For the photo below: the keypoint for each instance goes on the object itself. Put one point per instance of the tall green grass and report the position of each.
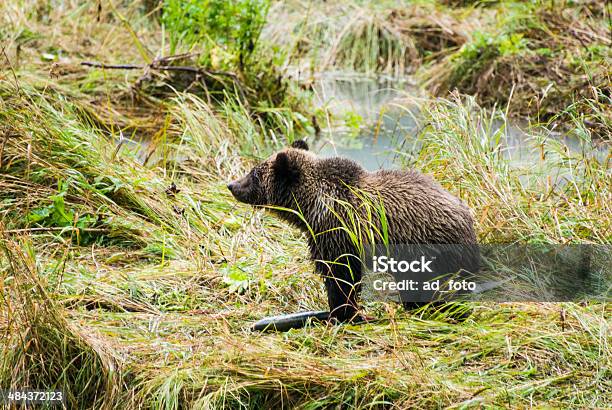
(546, 62)
(177, 322)
(388, 37)
(41, 349)
(558, 195)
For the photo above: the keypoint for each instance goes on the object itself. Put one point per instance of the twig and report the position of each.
(6, 136)
(175, 57)
(8, 60)
(112, 66)
(192, 69)
(156, 66)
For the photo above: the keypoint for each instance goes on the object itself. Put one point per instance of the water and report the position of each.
(382, 129)
(378, 126)
(383, 123)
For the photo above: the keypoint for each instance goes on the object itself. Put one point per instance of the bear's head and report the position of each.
(274, 181)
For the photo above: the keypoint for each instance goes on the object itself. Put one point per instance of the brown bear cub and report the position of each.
(315, 192)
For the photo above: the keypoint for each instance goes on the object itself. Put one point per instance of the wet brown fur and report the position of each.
(418, 211)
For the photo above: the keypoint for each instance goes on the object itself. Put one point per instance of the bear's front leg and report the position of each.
(342, 285)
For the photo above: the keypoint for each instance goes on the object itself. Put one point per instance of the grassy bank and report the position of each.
(544, 61)
(128, 272)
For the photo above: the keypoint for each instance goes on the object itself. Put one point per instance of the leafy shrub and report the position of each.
(228, 31)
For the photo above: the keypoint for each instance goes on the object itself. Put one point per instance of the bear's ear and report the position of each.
(285, 168)
(300, 144)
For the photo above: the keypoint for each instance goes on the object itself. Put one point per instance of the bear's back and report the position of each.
(418, 209)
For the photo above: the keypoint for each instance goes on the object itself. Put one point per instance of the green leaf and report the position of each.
(39, 214)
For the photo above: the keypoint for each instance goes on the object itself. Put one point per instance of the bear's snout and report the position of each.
(241, 189)
(234, 188)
